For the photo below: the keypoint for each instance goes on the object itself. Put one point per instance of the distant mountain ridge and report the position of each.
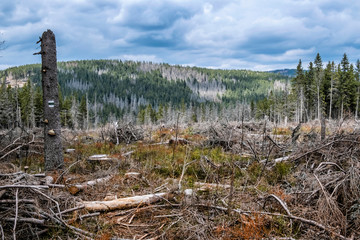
(285, 72)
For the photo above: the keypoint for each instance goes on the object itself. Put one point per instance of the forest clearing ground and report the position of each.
(312, 190)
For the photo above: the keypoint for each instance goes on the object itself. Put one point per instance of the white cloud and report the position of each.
(289, 55)
(141, 57)
(4, 66)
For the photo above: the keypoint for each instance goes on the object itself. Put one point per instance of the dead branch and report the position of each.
(273, 142)
(183, 172)
(254, 152)
(16, 212)
(27, 220)
(5, 201)
(10, 174)
(71, 209)
(283, 205)
(76, 230)
(127, 154)
(24, 186)
(81, 217)
(2, 232)
(65, 171)
(18, 147)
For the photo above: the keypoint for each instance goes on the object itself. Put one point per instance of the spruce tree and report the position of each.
(298, 84)
(5, 107)
(318, 77)
(357, 78)
(332, 83)
(326, 88)
(83, 112)
(38, 105)
(309, 92)
(346, 86)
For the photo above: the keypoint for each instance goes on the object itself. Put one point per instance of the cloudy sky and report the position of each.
(238, 34)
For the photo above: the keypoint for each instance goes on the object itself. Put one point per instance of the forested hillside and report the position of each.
(96, 91)
(329, 91)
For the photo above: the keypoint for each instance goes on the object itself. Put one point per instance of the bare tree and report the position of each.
(331, 88)
(52, 129)
(319, 75)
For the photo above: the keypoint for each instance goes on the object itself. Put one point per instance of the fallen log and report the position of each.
(200, 186)
(210, 186)
(127, 154)
(101, 157)
(96, 181)
(132, 175)
(282, 159)
(123, 203)
(75, 188)
(277, 160)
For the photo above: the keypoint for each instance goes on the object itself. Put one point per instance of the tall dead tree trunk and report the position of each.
(52, 128)
(323, 128)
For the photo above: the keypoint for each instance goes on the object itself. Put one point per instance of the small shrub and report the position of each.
(250, 227)
(281, 131)
(279, 172)
(254, 171)
(195, 171)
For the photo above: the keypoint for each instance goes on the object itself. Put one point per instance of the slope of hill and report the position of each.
(116, 87)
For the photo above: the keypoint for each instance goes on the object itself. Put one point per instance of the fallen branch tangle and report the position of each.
(304, 220)
(322, 194)
(26, 193)
(30, 142)
(135, 202)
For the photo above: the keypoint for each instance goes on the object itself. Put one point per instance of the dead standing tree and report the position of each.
(52, 129)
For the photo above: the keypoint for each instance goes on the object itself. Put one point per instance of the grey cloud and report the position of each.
(156, 15)
(257, 34)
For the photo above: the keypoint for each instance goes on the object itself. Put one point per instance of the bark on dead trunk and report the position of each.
(52, 127)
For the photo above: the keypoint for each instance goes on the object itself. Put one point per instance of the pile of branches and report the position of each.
(18, 142)
(238, 137)
(29, 208)
(328, 182)
(326, 193)
(127, 133)
(223, 135)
